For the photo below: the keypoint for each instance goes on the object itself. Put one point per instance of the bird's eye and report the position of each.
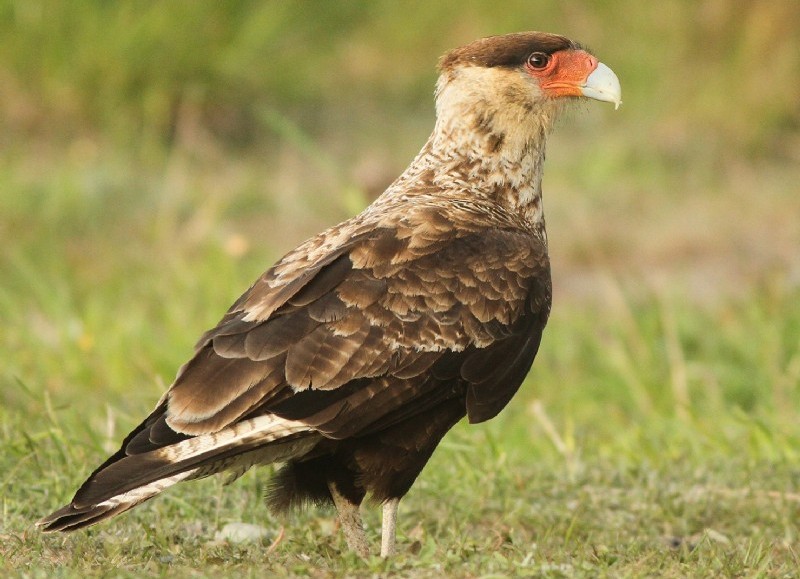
(538, 60)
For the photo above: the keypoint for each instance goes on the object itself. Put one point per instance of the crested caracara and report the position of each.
(350, 358)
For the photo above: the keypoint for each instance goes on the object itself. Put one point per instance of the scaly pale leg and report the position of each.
(389, 528)
(350, 521)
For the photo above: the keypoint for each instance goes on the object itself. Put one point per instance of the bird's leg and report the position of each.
(389, 528)
(350, 521)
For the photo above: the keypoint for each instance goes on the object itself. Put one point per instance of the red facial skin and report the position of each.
(565, 73)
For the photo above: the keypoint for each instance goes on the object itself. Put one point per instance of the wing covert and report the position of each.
(373, 330)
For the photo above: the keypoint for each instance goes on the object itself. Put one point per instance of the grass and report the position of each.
(657, 434)
(642, 444)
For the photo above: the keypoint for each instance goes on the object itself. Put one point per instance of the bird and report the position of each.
(348, 361)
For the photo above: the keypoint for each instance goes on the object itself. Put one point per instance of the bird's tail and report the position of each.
(132, 479)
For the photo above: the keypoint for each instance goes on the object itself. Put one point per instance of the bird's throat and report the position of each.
(485, 162)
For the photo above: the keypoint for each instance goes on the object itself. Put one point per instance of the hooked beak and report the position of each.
(602, 85)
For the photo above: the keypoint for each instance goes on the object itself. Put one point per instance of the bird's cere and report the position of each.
(603, 85)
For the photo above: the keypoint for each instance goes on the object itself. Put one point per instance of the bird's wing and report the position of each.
(339, 339)
(358, 329)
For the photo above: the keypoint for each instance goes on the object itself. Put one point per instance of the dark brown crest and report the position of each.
(508, 50)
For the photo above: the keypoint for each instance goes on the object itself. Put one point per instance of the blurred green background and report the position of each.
(156, 157)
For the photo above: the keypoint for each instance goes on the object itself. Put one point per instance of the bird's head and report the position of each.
(515, 84)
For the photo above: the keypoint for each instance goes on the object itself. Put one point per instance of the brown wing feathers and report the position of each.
(354, 347)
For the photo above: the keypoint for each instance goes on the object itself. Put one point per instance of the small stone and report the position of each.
(241, 533)
(717, 537)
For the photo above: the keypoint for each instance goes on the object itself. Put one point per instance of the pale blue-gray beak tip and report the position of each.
(603, 85)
